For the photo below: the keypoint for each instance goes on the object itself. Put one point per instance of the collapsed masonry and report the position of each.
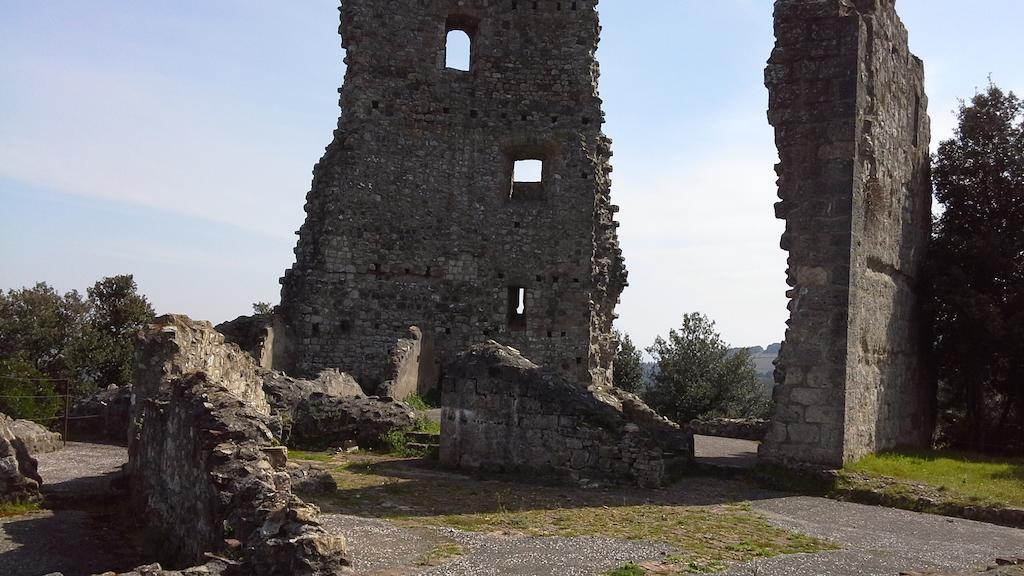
(415, 217)
(208, 477)
(849, 111)
(503, 413)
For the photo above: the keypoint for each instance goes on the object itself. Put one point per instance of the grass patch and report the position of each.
(973, 478)
(310, 456)
(12, 509)
(418, 403)
(440, 554)
(710, 536)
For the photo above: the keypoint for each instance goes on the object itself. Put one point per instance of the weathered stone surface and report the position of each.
(202, 465)
(19, 478)
(37, 440)
(413, 218)
(183, 346)
(413, 368)
(502, 413)
(253, 334)
(849, 111)
(105, 415)
(285, 393)
(307, 478)
(323, 420)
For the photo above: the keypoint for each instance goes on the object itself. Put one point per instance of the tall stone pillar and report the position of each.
(848, 105)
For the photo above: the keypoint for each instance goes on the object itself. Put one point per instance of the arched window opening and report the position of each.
(459, 50)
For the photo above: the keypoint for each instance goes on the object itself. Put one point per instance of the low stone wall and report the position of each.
(743, 429)
(207, 475)
(502, 413)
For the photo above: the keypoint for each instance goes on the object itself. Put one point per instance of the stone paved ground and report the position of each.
(81, 538)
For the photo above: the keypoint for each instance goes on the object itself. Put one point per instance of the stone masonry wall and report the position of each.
(848, 106)
(184, 346)
(413, 219)
(207, 476)
(502, 413)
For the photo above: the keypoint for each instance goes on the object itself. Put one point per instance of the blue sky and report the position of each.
(175, 141)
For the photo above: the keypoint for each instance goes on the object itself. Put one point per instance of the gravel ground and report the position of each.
(880, 541)
(488, 554)
(379, 547)
(383, 549)
(82, 537)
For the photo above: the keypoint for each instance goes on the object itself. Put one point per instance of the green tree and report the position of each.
(43, 326)
(117, 312)
(976, 271)
(697, 377)
(27, 393)
(629, 365)
(263, 308)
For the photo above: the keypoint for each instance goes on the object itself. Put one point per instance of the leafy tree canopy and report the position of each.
(88, 342)
(697, 377)
(629, 365)
(976, 266)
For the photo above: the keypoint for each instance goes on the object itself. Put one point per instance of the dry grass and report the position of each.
(707, 520)
(12, 509)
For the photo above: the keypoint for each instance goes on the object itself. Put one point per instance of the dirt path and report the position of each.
(83, 536)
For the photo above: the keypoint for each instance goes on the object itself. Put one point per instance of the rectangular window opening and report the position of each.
(516, 308)
(527, 179)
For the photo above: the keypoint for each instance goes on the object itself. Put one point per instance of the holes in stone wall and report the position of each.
(516, 308)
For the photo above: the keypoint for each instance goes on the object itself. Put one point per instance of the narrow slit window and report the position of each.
(458, 50)
(517, 308)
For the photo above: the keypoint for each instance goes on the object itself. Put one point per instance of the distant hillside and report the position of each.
(763, 363)
(763, 359)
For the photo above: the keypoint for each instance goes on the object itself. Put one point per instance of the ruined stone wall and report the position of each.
(848, 107)
(183, 346)
(206, 472)
(413, 219)
(502, 413)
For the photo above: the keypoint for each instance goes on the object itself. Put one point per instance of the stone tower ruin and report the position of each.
(415, 218)
(849, 111)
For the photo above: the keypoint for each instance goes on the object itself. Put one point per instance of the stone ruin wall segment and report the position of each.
(849, 109)
(413, 219)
